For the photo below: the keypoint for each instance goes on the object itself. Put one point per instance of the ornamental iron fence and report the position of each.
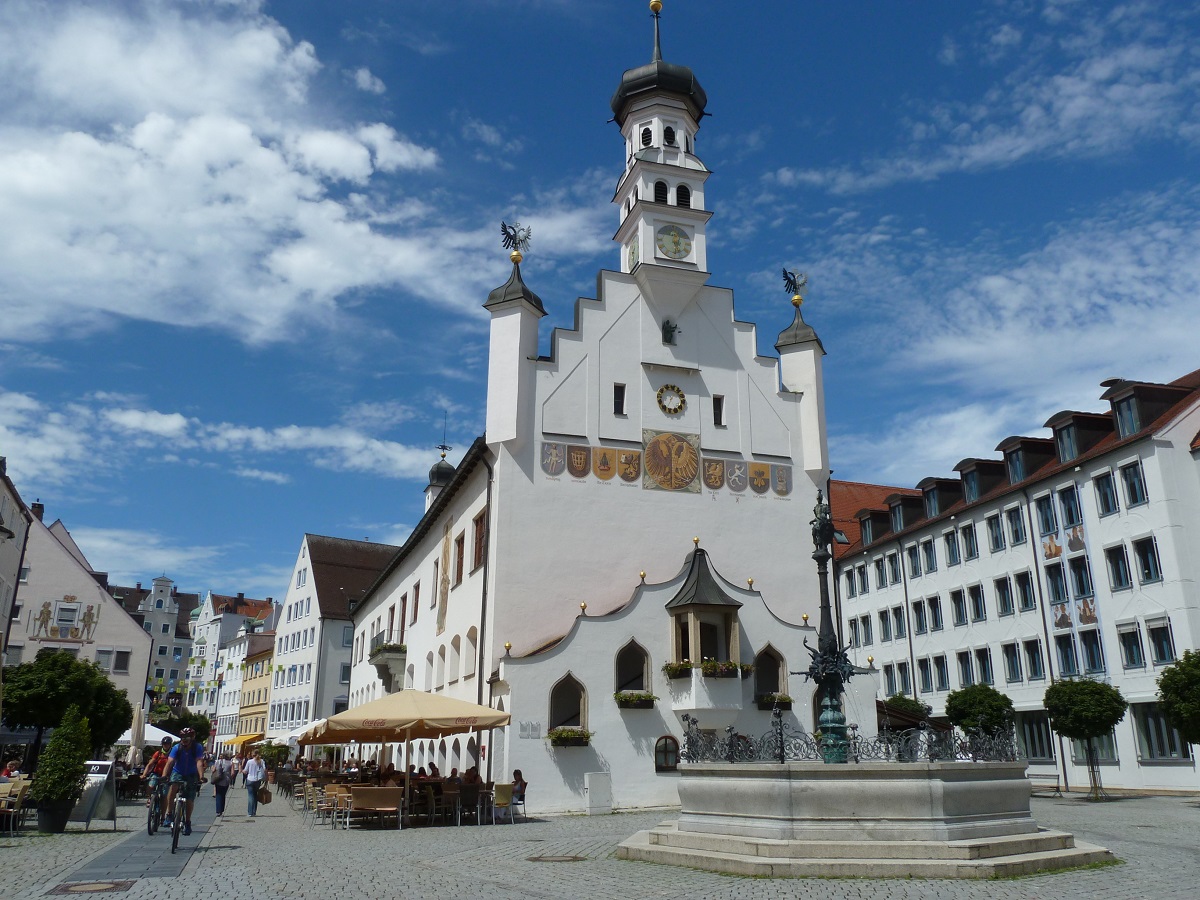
(785, 742)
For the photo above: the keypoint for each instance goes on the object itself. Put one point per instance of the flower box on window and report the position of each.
(677, 670)
(769, 701)
(569, 737)
(712, 668)
(634, 700)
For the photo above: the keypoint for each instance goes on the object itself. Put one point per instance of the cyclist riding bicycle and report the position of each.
(156, 769)
(186, 771)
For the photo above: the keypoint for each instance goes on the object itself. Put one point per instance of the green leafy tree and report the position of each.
(1084, 710)
(37, 695)
(903, 703)
(1179, 695)
(981, 707)
(185, 718)
(61, 772)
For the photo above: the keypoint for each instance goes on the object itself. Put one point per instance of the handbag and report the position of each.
(264, 795)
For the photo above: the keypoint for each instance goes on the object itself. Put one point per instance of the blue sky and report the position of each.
(244, 245)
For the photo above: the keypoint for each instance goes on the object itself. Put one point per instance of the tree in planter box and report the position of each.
(62, 771)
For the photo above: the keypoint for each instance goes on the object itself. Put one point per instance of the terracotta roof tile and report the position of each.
(848, 497)
(343, 570)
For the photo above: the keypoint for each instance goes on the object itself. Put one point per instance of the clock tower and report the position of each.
(660, 194)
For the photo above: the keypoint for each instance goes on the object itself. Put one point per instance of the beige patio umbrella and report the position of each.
(403, 716)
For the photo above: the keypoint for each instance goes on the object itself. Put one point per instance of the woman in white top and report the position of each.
(256, 774)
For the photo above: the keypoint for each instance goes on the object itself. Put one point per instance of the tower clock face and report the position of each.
(633, 253)
(674, 242)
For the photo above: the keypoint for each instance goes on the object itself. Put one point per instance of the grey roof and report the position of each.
(659, 77)
(799, 332)
(514, 289)
(702, 587)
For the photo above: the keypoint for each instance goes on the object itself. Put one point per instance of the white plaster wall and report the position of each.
(624, 740)
(299, 620)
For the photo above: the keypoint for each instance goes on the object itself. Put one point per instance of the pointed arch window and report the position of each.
(683, 196)
(633, 668)
(568, 704)
(769, 677)
(660, 192)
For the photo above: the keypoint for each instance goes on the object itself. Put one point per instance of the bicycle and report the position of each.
(157, 806)
(178, 814)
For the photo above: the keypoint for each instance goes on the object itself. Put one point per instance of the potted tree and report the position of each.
(61, 772)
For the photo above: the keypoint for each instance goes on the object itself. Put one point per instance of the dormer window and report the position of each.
(1015, 465)
(683, 196)
(669, 136)
(897, 518)
(931, 503)
(1065, 441)
(660, 192)
(1127, 416)
(647, 136)
(868, 531)
(970, 486)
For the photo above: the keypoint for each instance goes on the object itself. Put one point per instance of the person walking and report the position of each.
(255, 771)
(223, 769)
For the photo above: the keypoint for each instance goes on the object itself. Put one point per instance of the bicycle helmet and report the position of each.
(188, 732)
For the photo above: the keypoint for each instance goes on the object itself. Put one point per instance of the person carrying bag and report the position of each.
(256, 777)
(220, 777)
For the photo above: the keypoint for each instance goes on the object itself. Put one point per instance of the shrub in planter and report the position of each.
(569, 737)
(769, 701)
(634, 699)
(724, 669)
(677, 670)
(61, 772)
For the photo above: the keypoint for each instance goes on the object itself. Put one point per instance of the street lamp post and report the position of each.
(831, 667)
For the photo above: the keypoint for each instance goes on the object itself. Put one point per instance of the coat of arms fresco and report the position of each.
(672, 461)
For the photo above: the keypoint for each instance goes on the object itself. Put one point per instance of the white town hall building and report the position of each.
(556, 565)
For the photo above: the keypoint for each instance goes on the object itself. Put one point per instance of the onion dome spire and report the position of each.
(661, 77)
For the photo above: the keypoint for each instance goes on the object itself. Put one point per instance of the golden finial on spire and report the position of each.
(696, 541)
(583, 608)
(750, 583)
(643, 575)
(515, 238)
(656, 6)
(507, 647)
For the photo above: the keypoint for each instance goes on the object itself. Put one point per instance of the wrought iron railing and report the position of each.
(785, 742)
(385, 638)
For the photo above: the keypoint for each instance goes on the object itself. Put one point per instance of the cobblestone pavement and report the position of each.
(278, 856)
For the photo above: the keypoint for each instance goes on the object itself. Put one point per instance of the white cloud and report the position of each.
(365, 81)
(261, 475)
(1103, 87)
(128, 554)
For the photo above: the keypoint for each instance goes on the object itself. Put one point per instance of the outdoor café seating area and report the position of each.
(345, 801)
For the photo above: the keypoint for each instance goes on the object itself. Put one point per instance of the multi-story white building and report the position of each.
(214, 623)
(313, 633)
(555, 565)
(1072, 555)
(164, 614)
(231, 659)
(14, 527)
(61, 605)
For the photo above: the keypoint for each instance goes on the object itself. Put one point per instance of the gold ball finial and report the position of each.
(656, 6)
(516, 257)
(643, 575)
(805, 618)
(750, 582)
(797, 300)
(507, 646)
(696, 541)
(583, 607)
(870, 660)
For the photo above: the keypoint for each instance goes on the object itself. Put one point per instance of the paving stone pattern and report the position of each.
(278, 856)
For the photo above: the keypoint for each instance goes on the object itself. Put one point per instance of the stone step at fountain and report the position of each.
(991, 858)
(1044, 840)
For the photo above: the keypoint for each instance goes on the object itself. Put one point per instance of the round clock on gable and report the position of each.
(671, 400)
(674, 242)
(633, 254)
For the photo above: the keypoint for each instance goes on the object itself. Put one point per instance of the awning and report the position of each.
(151, 737)
(403, 716)
(241, 739)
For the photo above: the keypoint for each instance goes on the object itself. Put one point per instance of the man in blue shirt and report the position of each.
(186, 771)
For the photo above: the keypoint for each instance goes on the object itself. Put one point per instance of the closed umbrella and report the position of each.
(137, 734)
